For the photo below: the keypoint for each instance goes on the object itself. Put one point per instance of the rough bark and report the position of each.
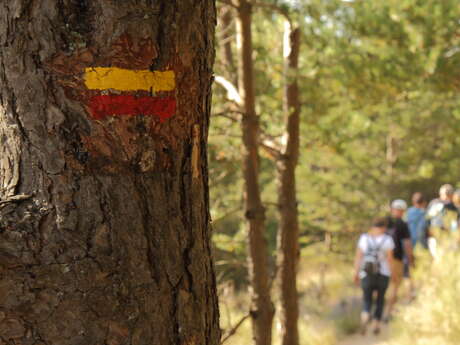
(288, 232)
(104, 224)
(262, 309)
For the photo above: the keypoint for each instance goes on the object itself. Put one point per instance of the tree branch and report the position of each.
(234, 329)
(229, 213)
(271, 147)
(229, 3)
(225, 114)
(232, 91)
(271, 151)
(273, 7)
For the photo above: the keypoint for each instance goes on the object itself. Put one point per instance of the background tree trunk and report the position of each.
(262, 309)
(288, 233)
(104, 223)
(228, 35)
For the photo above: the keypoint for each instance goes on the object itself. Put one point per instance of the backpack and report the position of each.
(371, 262)
(442, 216)
(435, 214)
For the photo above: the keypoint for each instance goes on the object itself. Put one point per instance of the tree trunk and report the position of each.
(262, 309)
(391, 158)
(288, 233)
(104, 223)
(226, 18)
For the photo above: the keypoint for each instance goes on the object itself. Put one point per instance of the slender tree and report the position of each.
(104, 223)
(262, 309)
(227, 23)
(288, 231)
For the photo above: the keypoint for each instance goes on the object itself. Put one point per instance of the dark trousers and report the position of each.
(369, 284)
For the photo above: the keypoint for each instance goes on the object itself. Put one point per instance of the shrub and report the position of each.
(434, 317)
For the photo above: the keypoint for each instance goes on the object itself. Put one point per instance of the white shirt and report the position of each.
(384, 243)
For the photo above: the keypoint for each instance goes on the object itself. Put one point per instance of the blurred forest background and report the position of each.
(378, 88)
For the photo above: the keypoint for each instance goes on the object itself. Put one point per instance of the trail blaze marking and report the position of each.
(101, 78)
(134, 99)
(117, 105)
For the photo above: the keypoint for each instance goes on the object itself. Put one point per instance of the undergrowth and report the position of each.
(434, 317)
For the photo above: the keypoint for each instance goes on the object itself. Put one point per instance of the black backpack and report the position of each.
(371, 262)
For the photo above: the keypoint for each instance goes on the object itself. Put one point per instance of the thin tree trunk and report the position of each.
(288, 233)
(391, 158)
(104, 223)
(228, 25)
(262, 309)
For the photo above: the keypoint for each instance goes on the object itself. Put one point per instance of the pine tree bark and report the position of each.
(288, 233)
(104, 223)
(262, 309)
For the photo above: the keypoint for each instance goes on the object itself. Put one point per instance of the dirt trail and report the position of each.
(368, 339)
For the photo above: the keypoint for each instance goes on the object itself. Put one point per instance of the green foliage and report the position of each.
(373, 75)
(380, 118)
(379, 82)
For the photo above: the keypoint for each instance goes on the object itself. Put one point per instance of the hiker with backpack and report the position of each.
(442, 217)
(372, 271)
(442, 212)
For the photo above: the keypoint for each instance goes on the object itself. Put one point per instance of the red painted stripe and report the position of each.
(117, 105)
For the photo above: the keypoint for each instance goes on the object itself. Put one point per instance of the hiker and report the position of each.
(442, 216)
(442, 211)
(456, 198)
(416, 220)
(397, 228)
(372, 270)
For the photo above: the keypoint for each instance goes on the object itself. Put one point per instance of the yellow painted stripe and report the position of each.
(102, 78)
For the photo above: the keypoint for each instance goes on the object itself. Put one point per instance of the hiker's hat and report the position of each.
(399, 204)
